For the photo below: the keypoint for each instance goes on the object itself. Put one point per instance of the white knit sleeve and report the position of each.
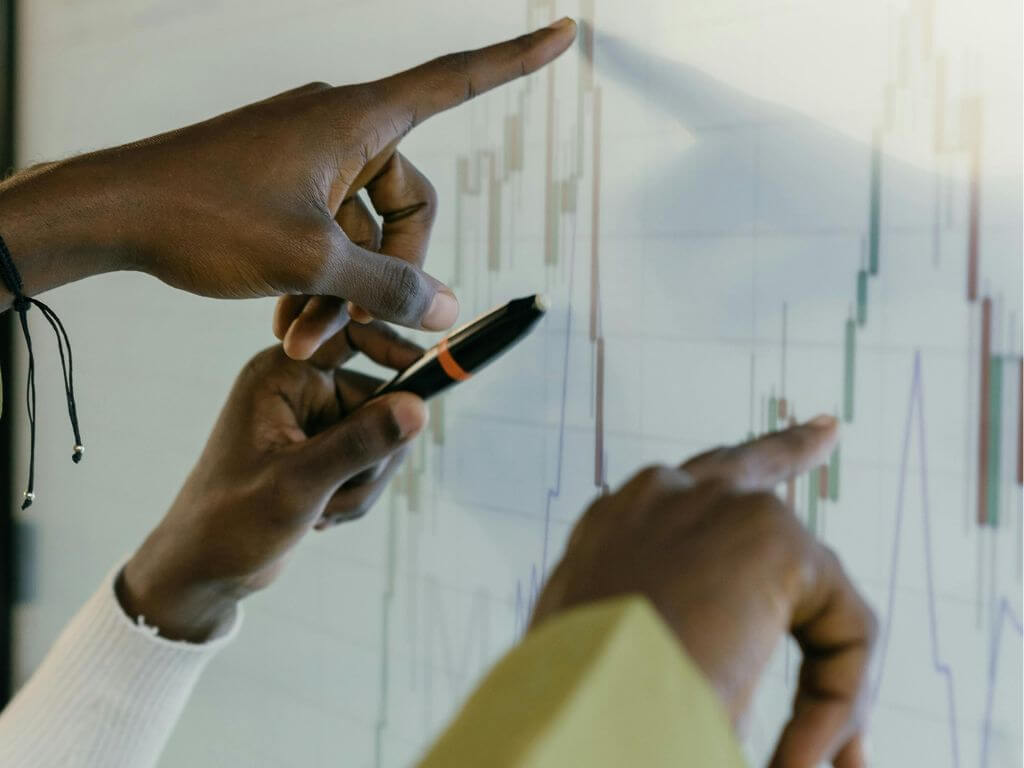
(108, 693)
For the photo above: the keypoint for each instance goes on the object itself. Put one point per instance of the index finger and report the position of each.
(448, 81)
(763, 463)
(377, 340)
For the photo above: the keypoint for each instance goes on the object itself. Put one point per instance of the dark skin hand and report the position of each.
(262, 201)
(291, 452)
(731, 570)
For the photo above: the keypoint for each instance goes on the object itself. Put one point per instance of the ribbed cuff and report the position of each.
(108, 693)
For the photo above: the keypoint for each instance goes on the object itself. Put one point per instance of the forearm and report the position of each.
(65, 221)
(109, 693)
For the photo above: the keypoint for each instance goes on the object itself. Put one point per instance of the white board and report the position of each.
(715, 164)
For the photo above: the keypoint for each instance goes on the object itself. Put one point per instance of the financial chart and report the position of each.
(743, 214)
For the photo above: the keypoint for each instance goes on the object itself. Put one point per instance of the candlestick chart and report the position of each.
(743, 214)
(740, 290)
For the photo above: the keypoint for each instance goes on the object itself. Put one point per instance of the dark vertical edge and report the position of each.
(984, 414)
(595, 216)
(974, 205)
(995, 438)
(862, 297)
(596, 332)
(875, 203)
(849, 372)
(812, 501)
(823, 482)
(461, 185)
(1020, 423)
(493, 215)
(550, 211)
(833, 475)
(940, 103)
(8, 550)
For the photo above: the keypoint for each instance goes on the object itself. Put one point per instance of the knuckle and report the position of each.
(774, 527)
(717, 453)
(651, 477)
(796, 441)
(710, 460)
(523, 46)
(744, 463)
(367, 236)
(258, 366)
(428, 193)
(358, 99)
(863, 613)
(356, 441)
(586, 522)
(253, 369)
(830, 559)
(869, 622)
(459, 64)
(767, 503)
(524, 42)
(388, 430)
(715, 486)
(653, 488)
(317, 85)
(404, 293)
(456, 61)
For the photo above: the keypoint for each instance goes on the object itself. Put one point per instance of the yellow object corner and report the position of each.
(603, 685)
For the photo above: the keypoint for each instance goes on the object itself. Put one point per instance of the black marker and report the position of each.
(465, 351)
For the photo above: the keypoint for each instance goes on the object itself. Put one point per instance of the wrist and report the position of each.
(64, 221)
(180, 607)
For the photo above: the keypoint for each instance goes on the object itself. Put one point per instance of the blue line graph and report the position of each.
(526, 599)
(941, 667)
(1006, 618)
(915, 407)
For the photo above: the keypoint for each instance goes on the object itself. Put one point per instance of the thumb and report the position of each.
(366, 436)
(389, 288)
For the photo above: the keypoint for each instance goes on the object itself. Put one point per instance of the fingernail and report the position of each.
(297, 348)
(442, 312)
(409, 414)
(823, 421)
(562, 23)
(357, 313)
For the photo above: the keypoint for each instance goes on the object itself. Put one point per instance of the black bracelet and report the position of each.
(22, 304)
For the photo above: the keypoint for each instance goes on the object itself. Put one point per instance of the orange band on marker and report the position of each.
(452, 368)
